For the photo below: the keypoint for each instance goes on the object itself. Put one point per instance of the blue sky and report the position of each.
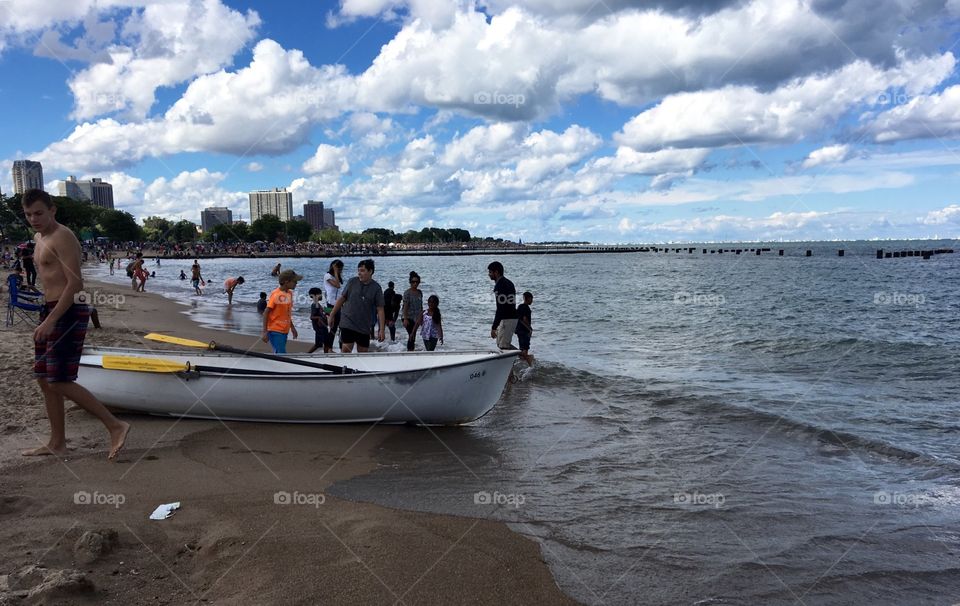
(618, 121)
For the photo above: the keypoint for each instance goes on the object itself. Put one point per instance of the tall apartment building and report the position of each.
(27, 174)
(277, 202)
(215, 215)
(317, 216)
(95, 191)
(70, 188)
(313, 214)
(100, 192)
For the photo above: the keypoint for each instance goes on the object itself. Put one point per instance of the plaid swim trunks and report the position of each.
(58, 358)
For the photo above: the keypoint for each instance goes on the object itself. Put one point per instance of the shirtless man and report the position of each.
(230, 285)
(58, 341)
(196, 279)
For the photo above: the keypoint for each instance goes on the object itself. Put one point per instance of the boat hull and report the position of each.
(427, 389)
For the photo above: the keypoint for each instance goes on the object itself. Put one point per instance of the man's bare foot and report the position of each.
(117, 439)
(42, 451)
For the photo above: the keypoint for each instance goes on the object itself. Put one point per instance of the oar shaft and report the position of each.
(213, 345)
(286, 360)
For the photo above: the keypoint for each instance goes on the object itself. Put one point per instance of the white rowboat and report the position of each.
(427, 388)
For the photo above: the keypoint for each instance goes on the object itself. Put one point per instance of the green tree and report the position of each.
(380, 235)
(268, 228)
(119, 225)
(221, 232)
(13, 225)
(184, 231)
(327, 236)
(459, 235)
(157, 229)
(298, 231)
(352, 237)
(433, 235)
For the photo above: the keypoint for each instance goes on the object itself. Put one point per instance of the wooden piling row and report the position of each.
(924, 254)
(881, 253)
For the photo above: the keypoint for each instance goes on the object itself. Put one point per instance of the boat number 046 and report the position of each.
(478, 374)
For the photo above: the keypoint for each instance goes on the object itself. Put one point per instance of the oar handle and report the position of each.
(340, 370)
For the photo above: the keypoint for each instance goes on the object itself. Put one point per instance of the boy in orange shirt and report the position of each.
(278, 317)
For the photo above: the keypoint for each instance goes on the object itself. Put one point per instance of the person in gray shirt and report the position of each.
(357, 302)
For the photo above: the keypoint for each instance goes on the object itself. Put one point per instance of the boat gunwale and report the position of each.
(486, 356)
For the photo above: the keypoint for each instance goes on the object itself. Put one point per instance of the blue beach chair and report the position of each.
(25, 305)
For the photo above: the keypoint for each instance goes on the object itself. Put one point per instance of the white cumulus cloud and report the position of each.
(174, 42)
(831, 154)
(327, 159)
(947, 215)
(737, 115)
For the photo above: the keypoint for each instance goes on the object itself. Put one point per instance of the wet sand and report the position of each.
(255, 525)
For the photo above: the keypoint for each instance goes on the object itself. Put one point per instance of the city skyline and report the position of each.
(603, 122)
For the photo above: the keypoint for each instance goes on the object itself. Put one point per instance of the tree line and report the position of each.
(89, 221)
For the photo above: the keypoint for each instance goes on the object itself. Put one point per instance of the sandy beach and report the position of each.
(255, 525)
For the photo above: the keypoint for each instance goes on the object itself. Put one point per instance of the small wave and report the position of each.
(788, 347)
(844, 440)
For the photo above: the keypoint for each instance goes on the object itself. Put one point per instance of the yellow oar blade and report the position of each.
(155, 336)
(142, 364)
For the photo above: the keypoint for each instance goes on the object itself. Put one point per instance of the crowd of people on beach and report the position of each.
(363, 298)
(362, 310)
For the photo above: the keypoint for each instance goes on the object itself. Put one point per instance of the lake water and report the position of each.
(698, 429)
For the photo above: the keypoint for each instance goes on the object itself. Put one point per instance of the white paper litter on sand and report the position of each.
(164, 511)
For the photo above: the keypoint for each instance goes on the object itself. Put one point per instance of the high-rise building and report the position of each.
(328, 222)
(215, 215)
(98, 191)
(70, 188)
(313, 214)
(95, 191)
(27, 174)
(277, 202)
(317, 216)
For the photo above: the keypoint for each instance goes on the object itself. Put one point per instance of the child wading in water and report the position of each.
(278, 318)
(525, 327)
(431, 324)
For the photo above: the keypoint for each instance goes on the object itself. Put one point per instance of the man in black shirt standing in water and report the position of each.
(505, 294)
